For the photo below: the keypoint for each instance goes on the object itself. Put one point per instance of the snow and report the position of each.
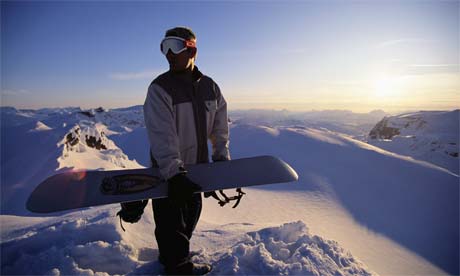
(357, 125)
(288, 249)
(86, 146)
(356, 209)
(430, 136)
(93, 243)
(70, 245)
(41, 127)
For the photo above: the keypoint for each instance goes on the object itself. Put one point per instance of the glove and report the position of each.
(181, 188)
(131, 211)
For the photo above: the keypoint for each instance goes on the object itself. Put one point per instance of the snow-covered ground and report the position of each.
(355, 210)
(431, 136)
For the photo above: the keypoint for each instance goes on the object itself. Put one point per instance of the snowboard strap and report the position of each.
(121, 222)
(226, 199)
(131, 211)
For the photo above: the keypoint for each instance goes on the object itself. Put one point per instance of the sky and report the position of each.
(295, 55)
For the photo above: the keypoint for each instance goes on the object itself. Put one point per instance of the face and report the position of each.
(182, 61)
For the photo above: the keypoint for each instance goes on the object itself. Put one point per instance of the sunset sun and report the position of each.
(386, 87)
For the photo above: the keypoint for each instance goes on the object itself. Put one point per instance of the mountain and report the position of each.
(354, 124)
(432, 136)
(356, 209)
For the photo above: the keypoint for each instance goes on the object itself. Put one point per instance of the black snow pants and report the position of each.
(174, 228)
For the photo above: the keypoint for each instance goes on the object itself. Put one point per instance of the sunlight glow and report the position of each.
(387, 87)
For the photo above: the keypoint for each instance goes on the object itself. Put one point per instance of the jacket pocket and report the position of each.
(211, 106)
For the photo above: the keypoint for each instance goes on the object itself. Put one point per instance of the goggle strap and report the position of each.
(190, 44)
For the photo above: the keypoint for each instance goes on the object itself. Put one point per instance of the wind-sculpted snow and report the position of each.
(286, 250)
(70, 245)
(91, 243)
(412, 202)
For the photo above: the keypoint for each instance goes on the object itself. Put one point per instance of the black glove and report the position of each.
(181, 188)
(132, 211)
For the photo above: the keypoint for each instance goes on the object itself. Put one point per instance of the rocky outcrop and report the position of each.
(383, 131)
(96, 140)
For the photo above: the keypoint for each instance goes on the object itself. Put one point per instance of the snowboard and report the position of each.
(78, 189)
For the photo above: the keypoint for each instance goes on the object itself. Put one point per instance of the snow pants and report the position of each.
(174, 228)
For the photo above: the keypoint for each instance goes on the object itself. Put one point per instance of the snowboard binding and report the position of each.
(226, 199)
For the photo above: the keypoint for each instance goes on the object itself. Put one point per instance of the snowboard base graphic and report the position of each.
(78, 189)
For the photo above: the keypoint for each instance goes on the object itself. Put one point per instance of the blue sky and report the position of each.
(298, 55)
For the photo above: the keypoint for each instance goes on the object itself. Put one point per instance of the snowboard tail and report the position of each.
(78, 189)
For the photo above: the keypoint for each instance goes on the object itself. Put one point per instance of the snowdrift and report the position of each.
(287, 250)
(91, 242)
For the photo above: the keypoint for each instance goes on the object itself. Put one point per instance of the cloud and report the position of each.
(394, 42)
(453, 65)
(148, 74)
(432, 68)
(14, 92)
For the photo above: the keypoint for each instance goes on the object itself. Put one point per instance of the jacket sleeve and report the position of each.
(161, 130)
(220, 132)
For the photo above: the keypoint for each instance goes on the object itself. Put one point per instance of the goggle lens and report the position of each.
(176, 44)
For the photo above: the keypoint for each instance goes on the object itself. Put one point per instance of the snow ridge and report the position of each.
(86, 146)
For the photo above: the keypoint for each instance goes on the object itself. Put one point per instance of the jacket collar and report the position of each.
(196, 75)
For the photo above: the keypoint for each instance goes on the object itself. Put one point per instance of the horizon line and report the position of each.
(409, 109)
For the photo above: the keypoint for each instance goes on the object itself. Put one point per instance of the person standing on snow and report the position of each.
(182, 110)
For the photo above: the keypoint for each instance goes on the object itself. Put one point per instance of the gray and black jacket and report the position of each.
(180, 116)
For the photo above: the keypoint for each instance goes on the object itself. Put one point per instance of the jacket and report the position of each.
(180, 116)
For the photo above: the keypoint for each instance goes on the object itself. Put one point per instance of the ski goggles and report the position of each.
(176, 44)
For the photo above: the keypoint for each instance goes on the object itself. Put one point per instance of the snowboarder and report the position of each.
(182, 110)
